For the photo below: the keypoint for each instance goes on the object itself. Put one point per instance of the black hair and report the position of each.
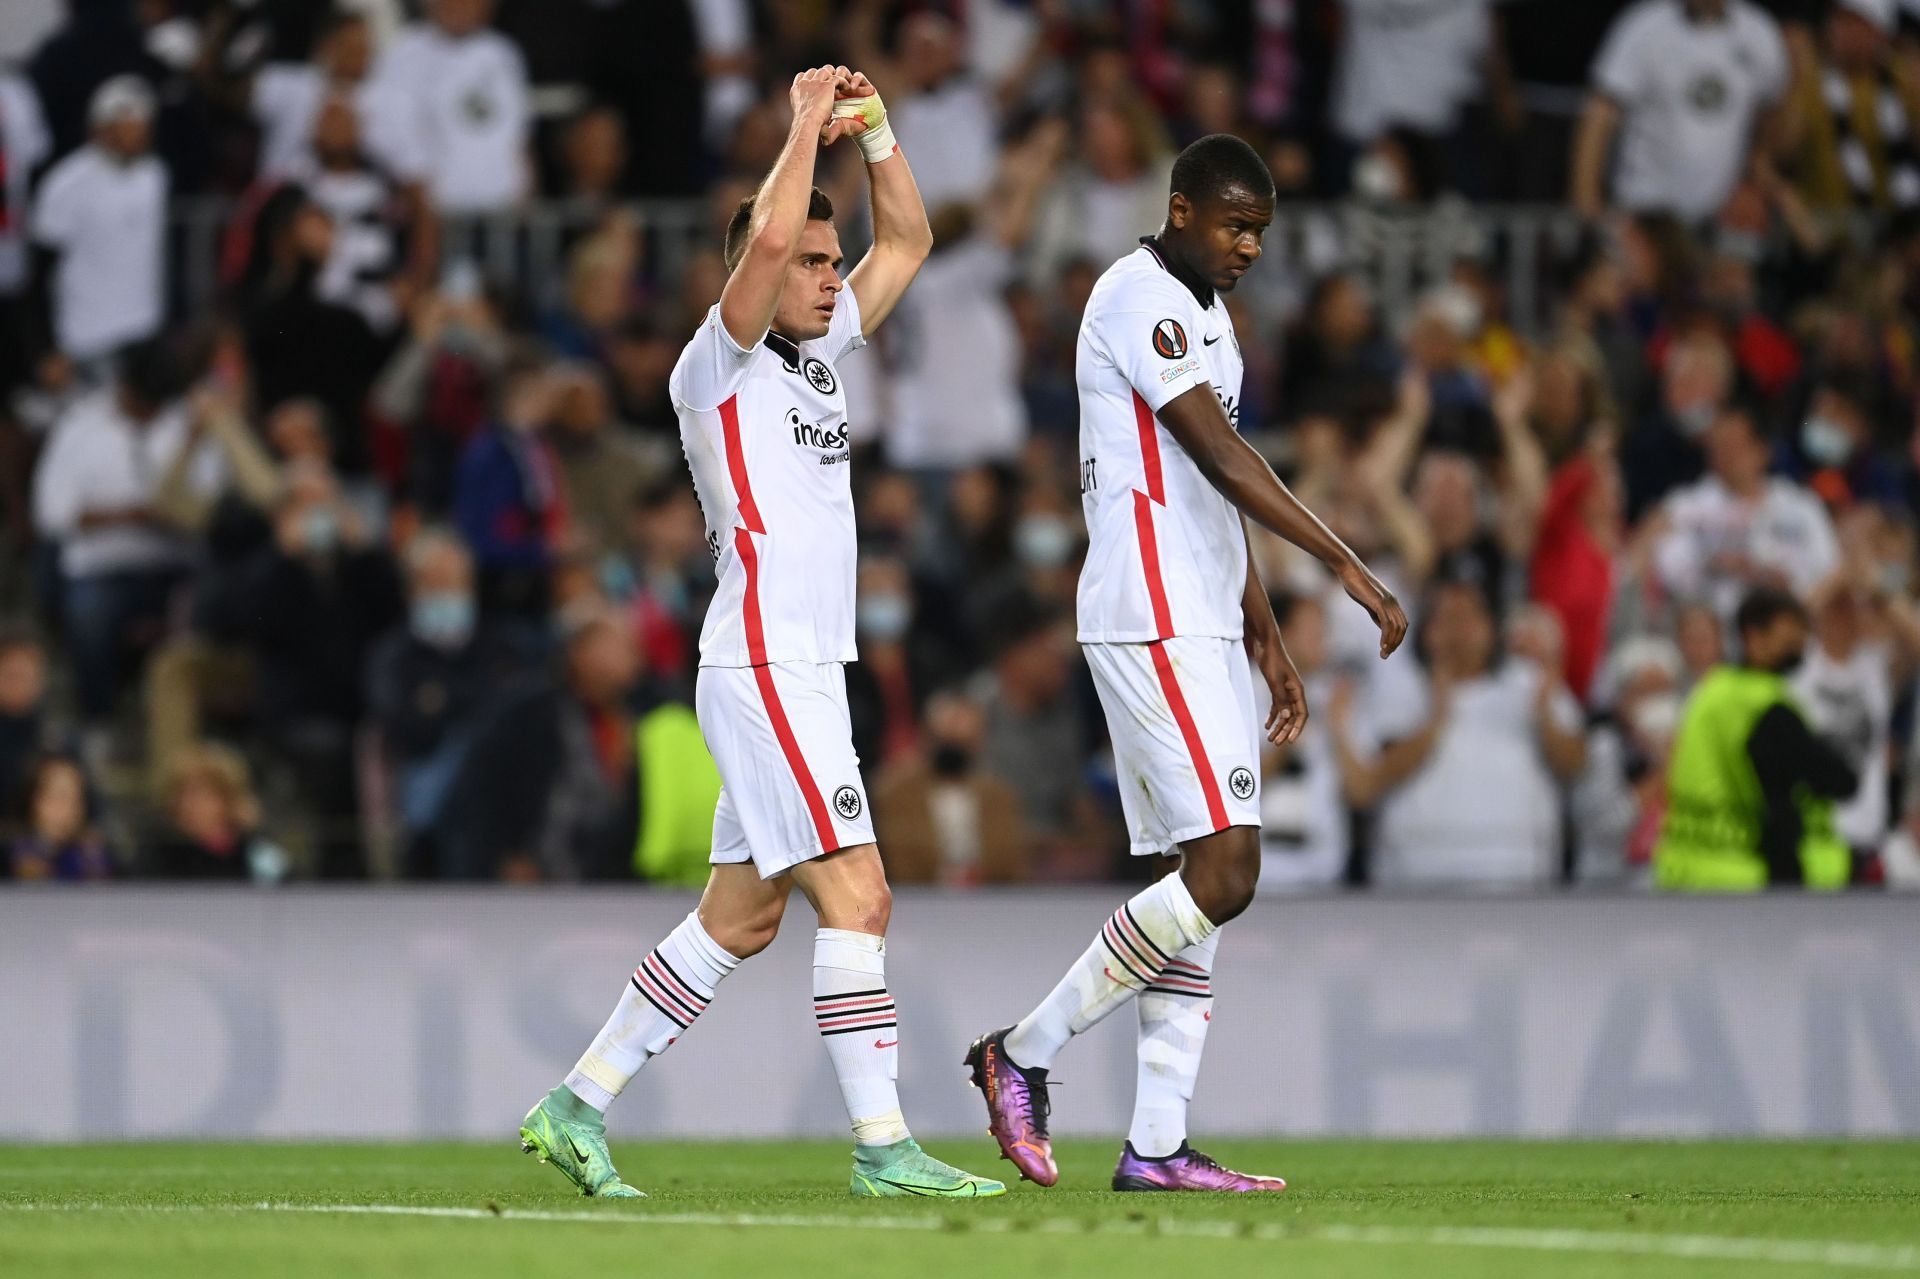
(154, 372)
(1762, 606)
(1017, 618)
(819, 209)
(1217, 164)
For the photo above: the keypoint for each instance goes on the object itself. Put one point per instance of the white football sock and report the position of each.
(1175, 1012)
(1124, 959)
(671, 987)
(857, 1023)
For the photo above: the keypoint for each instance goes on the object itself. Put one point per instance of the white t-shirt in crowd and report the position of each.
(953, 354)
(1785, 529)
(949, 134)
(470, 111)
(1303, 815)
(363, 205)
(1409, 63)
(1849, 702)
(24, 143)
(1691, 93)
(1167, 553)
(97, 460)
(765, 433)
(1484, 810)
(287, 97)
(107, 218)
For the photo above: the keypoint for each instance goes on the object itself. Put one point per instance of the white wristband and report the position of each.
(877, 142)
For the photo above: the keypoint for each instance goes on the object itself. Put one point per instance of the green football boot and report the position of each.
(886, 1172)
(569, 1134)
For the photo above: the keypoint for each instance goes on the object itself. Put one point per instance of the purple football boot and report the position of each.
(1017, 1107)
(1185, 1169)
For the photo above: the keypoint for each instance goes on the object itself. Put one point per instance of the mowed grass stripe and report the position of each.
(1835, 1253)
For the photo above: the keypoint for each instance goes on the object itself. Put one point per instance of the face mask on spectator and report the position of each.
(443, 619)
(1653, 718)
(1694, 419)
(1827, 442)
(884, 617)
(1042, 541)
(319, 531)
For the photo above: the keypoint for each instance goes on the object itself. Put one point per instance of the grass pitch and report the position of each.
(756, 1211)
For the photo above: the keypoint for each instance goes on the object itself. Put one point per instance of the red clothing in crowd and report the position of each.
(1572, 572)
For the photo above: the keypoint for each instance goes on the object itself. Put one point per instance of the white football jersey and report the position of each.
(1167, 554)
(765, 433)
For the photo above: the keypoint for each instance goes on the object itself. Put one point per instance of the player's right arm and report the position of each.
(1197, 422)
(780, 214)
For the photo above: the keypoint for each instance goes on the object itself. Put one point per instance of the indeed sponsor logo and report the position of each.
(811, 435)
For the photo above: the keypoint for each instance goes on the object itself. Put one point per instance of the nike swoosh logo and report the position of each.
(885, 1043)
(922, 1190)
(1208, 341)
(574, 1146)
(1110, 977)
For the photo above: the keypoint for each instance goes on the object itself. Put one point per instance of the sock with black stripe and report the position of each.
(1175, 1012)
(667, 992)
(1131, 950)
(854, 1010)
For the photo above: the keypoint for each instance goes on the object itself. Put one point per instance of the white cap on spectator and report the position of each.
(1633, 657)
(1880, 13)
(122, 98)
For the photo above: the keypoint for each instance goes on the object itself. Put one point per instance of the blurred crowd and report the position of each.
(388, 564)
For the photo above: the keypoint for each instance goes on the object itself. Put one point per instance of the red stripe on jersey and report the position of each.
(737, 464)
(1176, 700)
(789, 746)
(750, 599)
(1149, 449)
(1150, 564)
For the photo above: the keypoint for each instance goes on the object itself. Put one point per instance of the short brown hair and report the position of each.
(819, 209)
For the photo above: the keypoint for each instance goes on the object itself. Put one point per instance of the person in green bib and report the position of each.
(1750, 787)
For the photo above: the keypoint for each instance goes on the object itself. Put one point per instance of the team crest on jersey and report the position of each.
(846, 802)
(1169, 339)
(1240, 782)
(819, 375)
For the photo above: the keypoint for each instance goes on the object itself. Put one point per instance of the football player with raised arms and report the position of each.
(1173, 620)
(763, 422)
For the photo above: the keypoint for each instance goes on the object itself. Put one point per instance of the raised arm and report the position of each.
(902, 239)
(753, 290)
(1196, 420)
(1599, 121)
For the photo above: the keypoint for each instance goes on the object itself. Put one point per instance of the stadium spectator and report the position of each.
(1850, 138)
(26, 728)
(285, 98)
(947, 412)
(942, 114)
(1114, 185)
(94, 499)
(467, 85)
(1466, 758)
(24, 145)
(1666, 449)
(672, 579)
(1617, 802)
(1751, 789)
(437, 389)
(212, 823)
(1739, 528)
(937, 817)
(602, 470)
(384, 235)
(1572, 572)
(299, 344)
(508, 498)
(546, 789)
(58, 836)
(1688, 88)
(103, 211)
(432, 680)
(1304, 840)
(1034, 722)
(1409, 70)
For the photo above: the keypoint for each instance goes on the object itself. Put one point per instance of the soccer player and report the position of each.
(764, 425)
(1170, 611)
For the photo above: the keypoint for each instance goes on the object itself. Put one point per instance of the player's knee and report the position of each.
(747, 935)
(1222, 878)
(867, 908)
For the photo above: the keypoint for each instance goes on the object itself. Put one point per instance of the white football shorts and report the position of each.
(790, 781)
(1185, 722)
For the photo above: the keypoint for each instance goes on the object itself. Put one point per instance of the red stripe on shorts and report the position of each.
(790, 747)
(1196, 749)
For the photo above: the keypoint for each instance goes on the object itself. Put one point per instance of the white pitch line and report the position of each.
(1835, 1253)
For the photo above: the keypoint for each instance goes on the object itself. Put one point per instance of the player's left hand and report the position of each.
(1370, 593)
(1287, 717)
(849, 126)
